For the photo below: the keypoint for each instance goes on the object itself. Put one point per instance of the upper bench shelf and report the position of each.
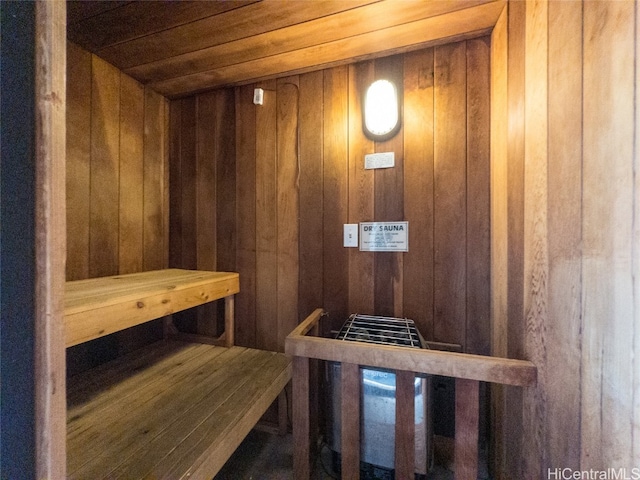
(100, 306)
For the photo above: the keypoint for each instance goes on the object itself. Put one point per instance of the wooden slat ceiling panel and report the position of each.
(80, 10)
(185, 47)
(137, 19)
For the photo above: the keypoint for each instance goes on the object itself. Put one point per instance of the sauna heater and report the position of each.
(377, 397)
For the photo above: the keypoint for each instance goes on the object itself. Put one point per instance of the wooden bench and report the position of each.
(173, 409)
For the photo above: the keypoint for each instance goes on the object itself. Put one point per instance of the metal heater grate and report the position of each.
(380, 330)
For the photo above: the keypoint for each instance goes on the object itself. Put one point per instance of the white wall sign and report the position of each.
(384, 236)
(379, 160)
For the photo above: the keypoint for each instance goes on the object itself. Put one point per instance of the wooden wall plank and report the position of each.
(418, 188)
(450, 193)
(155, 205)
(478, 204)
(105, 146)
(288, 209)
(335, 193)
(499, 221)
(607, 295)
(389, 204)
(515, 177)
(246, 216)
(78, 160)
(565, 233)
(512, 332)
(188, 183)
(361, 192)
(310, 248)
(206, 181)
(636, 272)
(478, 248)
(225, 161)
(130, 209)
(266, 221)
(175, 172)
(536, 254)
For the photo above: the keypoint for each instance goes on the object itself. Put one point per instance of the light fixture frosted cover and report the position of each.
(381, 110)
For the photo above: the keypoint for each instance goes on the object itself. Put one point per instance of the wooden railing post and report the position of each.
(405, 449)
(350, 413)
(301, 446)
(466, 441)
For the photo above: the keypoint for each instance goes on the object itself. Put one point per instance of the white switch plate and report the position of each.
(379, 160)
(350, 234)
(258, 96)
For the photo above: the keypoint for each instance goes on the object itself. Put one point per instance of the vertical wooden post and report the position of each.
(50, 249)
(350, 434)
(229, 313)
(301, 450)
(405, 448)
(466, 441)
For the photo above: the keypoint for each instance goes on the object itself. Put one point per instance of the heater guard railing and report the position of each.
(467, 369)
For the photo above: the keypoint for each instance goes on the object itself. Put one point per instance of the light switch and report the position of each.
(350, 234)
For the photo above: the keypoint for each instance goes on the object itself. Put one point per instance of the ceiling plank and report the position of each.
(138, 19)
(250, 20)
(79, 10)
(443, 28)
(349, 23)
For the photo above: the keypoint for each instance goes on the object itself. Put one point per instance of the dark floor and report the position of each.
(268, 456)
(264, 456)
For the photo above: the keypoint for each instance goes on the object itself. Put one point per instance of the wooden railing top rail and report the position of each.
(460, 365)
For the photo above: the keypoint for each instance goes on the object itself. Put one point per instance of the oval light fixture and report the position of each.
(381, 112)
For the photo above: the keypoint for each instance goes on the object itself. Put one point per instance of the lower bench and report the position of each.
(171, 410)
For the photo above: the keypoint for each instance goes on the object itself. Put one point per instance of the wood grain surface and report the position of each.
(174, 409)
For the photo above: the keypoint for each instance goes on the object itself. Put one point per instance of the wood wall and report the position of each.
(117, 178)
(116, 187)
(568, 299)
(265, 190)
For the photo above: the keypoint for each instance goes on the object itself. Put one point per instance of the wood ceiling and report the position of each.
(183, 47)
